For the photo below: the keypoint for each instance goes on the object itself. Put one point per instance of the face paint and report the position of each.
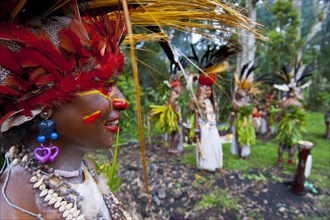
(92, 117)
(96, 92)
(120, 104)
(107, 89)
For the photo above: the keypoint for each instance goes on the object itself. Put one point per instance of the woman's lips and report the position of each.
(112, 125)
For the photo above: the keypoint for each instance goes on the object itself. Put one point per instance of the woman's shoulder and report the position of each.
(20, 193)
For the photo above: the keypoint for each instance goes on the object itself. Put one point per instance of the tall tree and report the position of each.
(283, 37)
(248, 42)
(321, 8)
(297, 33)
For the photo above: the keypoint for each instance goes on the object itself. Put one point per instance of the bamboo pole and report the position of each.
(137, 95)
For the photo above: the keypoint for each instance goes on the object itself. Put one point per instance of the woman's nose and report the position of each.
(119, 101)
(119, 104)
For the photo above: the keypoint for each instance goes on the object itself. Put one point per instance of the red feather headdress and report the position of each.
(213, 62)
(40, 74)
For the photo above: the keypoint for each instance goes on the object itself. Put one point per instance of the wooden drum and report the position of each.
(304, 151)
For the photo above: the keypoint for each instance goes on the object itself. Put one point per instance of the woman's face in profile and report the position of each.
(91, 120)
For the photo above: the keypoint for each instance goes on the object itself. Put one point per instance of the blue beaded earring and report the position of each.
(46, 130)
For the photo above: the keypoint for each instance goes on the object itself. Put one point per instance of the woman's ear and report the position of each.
(46, 113)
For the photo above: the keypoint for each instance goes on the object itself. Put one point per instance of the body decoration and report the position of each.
(244, 135)
(59, 100)
(209, 155)
(71, 200)
(245, 130)
(60, 62)
(168, 117)
(292, 121)
(37, 71)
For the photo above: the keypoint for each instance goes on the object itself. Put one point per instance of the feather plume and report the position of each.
(243, 82)
(245, 66)
(250, 70)
(43, 75)
(9, 61)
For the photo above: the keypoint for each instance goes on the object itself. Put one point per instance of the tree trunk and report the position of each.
(316, 27)
(247, 40)
(297, 5)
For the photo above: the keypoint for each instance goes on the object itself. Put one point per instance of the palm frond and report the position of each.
(185, 15)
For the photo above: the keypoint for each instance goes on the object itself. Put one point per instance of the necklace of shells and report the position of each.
(56, 190)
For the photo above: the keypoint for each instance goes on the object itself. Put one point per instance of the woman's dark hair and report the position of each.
(19, 134)
(212, 97)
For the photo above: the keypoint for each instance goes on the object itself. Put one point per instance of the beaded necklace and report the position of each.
(69, 174)
(56, 190)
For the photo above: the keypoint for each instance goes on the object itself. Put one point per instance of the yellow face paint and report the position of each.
(92, 117)
(96, 92)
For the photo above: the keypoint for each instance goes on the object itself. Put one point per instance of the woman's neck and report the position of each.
(69, 159)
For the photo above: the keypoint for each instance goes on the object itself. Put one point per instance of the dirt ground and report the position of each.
(179, 191)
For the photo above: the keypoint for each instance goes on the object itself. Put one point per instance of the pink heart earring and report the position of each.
(46, 129)
(42, 154)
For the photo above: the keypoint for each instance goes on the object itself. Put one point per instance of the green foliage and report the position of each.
(244, 127)
(189, 157)
(320, 151)
(281, 49)
(109, 170)
(223, 92)
(128, 121)
(152, 65)
(255, 177)
(276, 178)
(273, 111)
(152, 69)
(217, 198)
(264, 154)
(318, 94)
(282, 25)
(156, 95)
(164, 117)
(291, 125)
(223, 127)
(192, 122)
(255, 214)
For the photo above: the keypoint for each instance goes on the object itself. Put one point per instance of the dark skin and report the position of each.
(75, 138)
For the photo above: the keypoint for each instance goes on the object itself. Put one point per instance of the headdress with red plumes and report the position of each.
(213, 62)
(40, 74)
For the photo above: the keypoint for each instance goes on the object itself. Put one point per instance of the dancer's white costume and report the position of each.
(210, 140)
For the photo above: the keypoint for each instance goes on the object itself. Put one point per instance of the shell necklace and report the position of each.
(56, 190)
